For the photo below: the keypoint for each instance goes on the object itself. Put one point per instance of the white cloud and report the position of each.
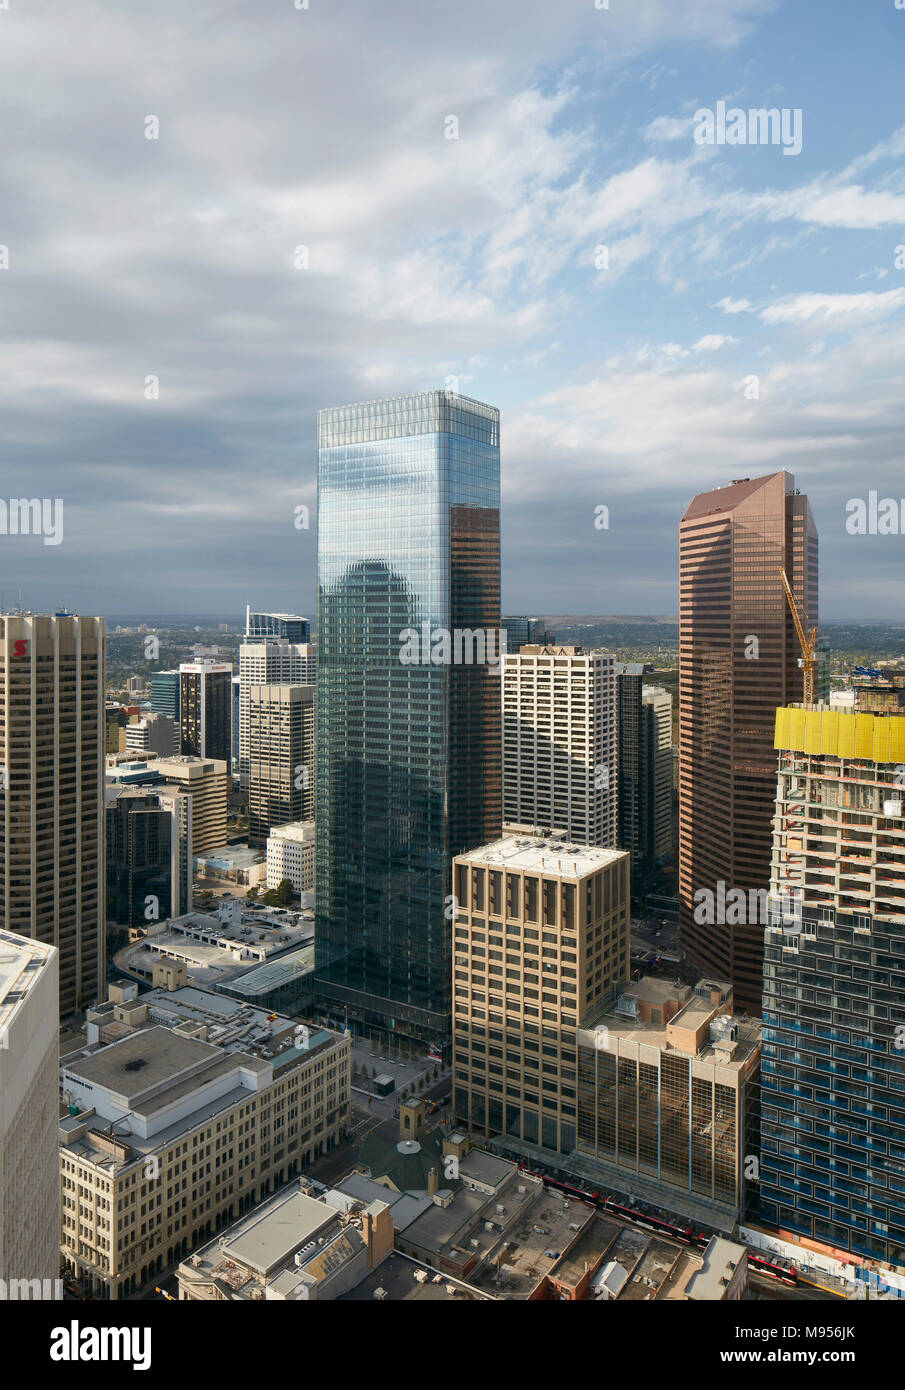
(733, 306)
(712, 342)
(803, 308)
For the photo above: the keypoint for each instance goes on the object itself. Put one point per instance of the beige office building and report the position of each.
(269, 661)
(52, 723)
(198, 1107)
(281, 773)
(207, 782)
(559, 743)
(668, 1095)
(29, 1105)
(540, 937)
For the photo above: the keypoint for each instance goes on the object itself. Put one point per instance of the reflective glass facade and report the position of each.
(408, 768)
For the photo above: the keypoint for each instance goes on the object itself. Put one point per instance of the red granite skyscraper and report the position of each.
(738, 662)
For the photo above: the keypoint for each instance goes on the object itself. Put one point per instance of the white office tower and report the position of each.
(270, 660)
(29, 1117)
(559, 743)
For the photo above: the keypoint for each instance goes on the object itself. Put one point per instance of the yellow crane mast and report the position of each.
(806, 640)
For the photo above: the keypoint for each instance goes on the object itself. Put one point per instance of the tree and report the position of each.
(284, 892)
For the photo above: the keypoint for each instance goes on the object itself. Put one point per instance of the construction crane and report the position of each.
(807, 640)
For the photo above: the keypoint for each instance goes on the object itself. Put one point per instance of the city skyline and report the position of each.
(167, 380)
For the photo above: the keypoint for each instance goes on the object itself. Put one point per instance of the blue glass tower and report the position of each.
(408, 766)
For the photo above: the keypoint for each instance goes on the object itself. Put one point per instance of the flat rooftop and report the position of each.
(267, 1239)
(533, 1245)
(535, 854)
(300, 831)
(395, 1280)
(21, 962)
(622, 1029)
(143, 1062)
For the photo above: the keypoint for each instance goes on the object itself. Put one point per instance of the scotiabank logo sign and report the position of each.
(20, 646)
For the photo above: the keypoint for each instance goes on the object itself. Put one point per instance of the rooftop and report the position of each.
(533, 1245)
(21, 962)
(533, 854)
(401, 1279)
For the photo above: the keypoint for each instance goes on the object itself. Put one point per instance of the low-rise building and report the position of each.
(295, 1247)
(200, 1109)
(668, 1080)
(290, 855)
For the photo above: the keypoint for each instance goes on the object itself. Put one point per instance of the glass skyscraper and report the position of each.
(833, 1067)
(408, 744)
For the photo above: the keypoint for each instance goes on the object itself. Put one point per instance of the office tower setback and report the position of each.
(738, 662)
(281, 760)
(29, 1114)
(271, 660)
(408, 750)
(541, 938)
(52, 792)
(205, 704)
(833, 1073)
(559, 743)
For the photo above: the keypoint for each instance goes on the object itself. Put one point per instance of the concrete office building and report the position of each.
(29, 1106)
(291, 854)
(52, 792)
(738, 662)
(205, 709)
(281, 757)
(273, 653)
(667, 1097)
(202, 1108)
(833, 1084)
(559, 743)
(541, 937)
(206, 781)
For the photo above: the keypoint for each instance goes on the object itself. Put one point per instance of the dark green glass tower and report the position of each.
(408, 748)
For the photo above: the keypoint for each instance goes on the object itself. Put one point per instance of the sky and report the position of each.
(507, 198)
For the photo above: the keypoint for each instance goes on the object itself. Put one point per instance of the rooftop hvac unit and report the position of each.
(500, 1209)
(380, 1293)
(421, 1276)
